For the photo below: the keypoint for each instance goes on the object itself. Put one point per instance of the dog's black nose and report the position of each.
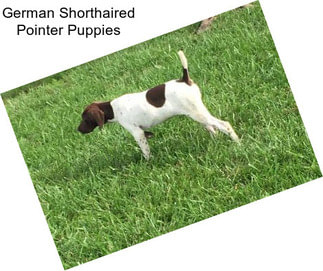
(78, 129)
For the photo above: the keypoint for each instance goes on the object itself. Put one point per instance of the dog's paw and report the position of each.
(235, 138)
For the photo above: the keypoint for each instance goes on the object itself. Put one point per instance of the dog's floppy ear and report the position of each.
(98, 116)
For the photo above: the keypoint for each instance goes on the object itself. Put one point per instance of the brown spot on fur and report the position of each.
(156, 96)
(107, 109)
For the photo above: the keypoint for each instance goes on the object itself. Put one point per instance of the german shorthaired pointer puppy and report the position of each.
(137, 112)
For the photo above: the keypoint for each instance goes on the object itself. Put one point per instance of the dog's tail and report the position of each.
(186, 78)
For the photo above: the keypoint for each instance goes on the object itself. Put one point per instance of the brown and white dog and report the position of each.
(137, 112)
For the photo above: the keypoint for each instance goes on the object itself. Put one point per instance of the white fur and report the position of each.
(183, 59)
(136, 114)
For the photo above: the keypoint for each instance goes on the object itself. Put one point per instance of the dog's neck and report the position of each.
(108, 111)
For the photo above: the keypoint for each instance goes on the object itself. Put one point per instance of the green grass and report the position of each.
(98, 193)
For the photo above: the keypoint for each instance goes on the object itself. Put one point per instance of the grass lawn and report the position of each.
(98, 193)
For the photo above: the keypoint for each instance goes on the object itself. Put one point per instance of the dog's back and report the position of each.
(153, 106)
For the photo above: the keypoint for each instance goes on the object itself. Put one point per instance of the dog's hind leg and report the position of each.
(225, 127)
(211, 123)
(213, 131)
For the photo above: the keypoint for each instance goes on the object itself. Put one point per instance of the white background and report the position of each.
(281, 232)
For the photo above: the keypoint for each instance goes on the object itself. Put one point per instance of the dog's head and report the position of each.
(92, 117)
(96, 114)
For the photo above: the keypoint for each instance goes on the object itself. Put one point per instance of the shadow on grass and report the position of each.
(108, 161)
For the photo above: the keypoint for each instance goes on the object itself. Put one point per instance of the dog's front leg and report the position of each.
(141, 140)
